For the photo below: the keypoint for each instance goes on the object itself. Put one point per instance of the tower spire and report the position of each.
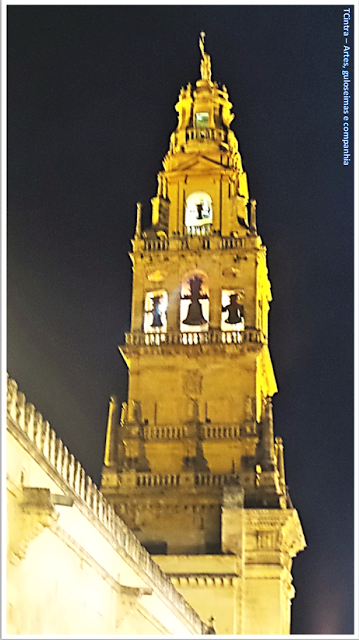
(206, 71)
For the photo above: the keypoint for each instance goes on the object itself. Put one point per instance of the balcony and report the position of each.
(186, 480)
(205, 232)
(199, 230)
(207, 432)
(214, 336)
(160, 244)
(217, 135)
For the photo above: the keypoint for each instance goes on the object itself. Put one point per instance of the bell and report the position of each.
(233, 316)
(195, 315)
(199, 211)
(235, 310)
(156, 312)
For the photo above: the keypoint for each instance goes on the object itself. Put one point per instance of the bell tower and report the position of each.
(191, 461)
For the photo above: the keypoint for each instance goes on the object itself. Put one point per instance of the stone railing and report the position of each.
(215, 336)
(220, 431)
(213, 479)
(160, 244)
(251, 334)
(206, 134)
(23, 417)
(232, 243)
(208, 431)
(157, 480)
(184, 479)
(202, 230)
(165, 433)
(163, 244)
(209, 240)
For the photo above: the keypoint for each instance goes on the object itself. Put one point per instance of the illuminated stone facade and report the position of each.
(73, 566)
(191, 463)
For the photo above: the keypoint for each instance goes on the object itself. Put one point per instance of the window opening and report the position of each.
(232, 311)
(156, 303)
(202, 120)
(198, 210)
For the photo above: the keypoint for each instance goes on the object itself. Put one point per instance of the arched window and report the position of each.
(199, 214)
(194, 311)
(202, 120)
(156, 303)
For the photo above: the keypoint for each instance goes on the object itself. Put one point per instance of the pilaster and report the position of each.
(272, 538)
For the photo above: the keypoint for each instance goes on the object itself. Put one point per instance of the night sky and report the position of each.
(91, 91)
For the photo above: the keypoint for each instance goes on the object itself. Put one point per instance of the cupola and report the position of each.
(203, 189)
(204, 119)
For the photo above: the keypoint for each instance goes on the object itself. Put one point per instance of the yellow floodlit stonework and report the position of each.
(73, 566)
(192, 464)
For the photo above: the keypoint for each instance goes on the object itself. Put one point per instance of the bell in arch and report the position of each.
(235, 310)
(195, 316)
(199, 211)
(156, 312)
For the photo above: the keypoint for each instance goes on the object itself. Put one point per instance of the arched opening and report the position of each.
(199, 213)
(156, 303)
(194, 308)
(233, 317)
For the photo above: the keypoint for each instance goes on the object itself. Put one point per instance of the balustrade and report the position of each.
(213, 479)
(159, 244)
(204, 231)
(21, 416)
(156, 480)
(251, 334)
(165, 433)
(177, 433)
(206, 134)
(153, 480)
(215, 336)
(232, 243)
(215, 431)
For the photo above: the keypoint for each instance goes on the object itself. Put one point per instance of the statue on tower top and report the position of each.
(206, 72)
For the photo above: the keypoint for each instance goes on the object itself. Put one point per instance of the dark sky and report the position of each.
(91, 91)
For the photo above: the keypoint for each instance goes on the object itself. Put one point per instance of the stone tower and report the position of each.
(191, 461)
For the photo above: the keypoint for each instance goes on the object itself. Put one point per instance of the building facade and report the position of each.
(73, 566)
(191, 462)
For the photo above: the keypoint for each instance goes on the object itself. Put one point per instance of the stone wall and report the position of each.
(73, 565)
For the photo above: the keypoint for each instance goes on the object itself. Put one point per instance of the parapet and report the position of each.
(29, 427)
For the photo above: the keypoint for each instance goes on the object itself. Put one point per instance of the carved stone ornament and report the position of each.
(127, 601)
(155, 276)
(231, 272)
(267, 539)
(192, 382)
(36, 511)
